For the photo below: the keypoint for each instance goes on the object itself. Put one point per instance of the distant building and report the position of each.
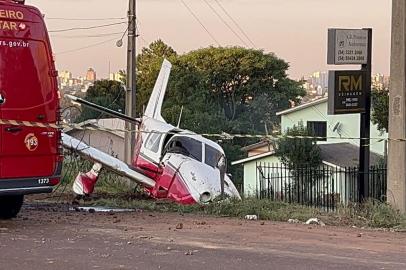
(65, 75)
(316, 85)
(91, 75)
(380, 82)
(118, 77)
(69, 84)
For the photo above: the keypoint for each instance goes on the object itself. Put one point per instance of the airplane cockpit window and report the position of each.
(212, 156)
(185, 146)
(153, 141)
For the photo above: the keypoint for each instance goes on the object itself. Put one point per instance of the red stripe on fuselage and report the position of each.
(170, 185)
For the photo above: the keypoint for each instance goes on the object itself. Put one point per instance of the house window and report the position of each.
(317, 129)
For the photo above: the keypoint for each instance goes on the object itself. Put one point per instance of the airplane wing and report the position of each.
(106, 160)
(154, 107)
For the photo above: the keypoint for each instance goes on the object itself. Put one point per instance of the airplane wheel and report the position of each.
(10, 206)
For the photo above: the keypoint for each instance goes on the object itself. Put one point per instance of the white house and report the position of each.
(340, 149)
(336, 127)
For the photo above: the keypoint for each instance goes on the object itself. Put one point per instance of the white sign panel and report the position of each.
(348, 46)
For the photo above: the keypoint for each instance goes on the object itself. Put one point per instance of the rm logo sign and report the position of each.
(347, 92)
(350, 83)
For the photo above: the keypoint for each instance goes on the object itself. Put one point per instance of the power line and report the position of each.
(85, 19)
(200, 22)
(137, 25)
(225, 23)
(86, 47)
(88, 36)
(235, 23)
(86, 28)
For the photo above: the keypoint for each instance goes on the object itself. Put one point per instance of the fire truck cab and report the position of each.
(30, 152)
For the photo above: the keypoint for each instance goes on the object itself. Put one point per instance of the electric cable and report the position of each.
(225, 23)
(87, 36)
(86, 28)
(86, 47)
(85, 19)
(200, 22)
(235, 23)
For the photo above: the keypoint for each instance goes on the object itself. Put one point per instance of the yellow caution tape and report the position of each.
(223, 135)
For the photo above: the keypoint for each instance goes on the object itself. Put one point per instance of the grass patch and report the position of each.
(114, 191)
(108, 183)
(372, 214)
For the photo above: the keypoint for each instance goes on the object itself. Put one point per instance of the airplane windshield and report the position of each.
(185, 146)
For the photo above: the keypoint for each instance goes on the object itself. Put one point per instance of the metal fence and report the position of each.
(324, 187)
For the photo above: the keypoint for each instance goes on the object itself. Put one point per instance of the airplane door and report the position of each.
(150, 155)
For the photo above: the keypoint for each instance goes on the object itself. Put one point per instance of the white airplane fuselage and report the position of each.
(184, 165)
(168, 162)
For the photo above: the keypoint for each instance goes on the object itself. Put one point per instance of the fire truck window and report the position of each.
(31, 62)
(153, 141)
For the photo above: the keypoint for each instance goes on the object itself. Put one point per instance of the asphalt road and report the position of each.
(52, 237)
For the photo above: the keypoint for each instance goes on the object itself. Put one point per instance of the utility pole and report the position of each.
(397, 109)
(130, 99)
(365, 130)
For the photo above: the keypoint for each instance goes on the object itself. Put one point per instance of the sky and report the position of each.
(295, 30)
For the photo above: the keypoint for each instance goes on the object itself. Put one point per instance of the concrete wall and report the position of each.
(107, 142)
(349, 125)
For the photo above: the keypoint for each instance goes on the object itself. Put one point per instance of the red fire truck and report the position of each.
(30, 156)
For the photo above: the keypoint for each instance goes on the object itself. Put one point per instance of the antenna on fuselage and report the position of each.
(180, 117)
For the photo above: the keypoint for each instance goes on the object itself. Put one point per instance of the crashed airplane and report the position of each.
(170, 163)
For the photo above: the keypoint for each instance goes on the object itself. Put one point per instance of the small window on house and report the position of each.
(317, 129)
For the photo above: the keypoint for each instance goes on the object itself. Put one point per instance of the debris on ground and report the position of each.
(315, 221)
(101, 210)
(293, 221)
(179, 226)
(251, 217)
(201, 223)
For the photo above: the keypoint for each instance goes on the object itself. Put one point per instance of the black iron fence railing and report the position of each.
(325, 187)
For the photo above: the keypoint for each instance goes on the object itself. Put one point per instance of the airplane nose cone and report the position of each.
(204, 183)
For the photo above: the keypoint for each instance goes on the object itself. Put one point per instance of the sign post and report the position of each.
(350, 91)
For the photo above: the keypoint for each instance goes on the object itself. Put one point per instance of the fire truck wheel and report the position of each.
(10, 206)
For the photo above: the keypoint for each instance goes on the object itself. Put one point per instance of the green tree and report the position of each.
(106, 93)
(235, 77)
(148, 66)
(232, 90)
(380, 109)
(297, 152)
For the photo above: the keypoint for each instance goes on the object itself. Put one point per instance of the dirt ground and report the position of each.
(53, 237)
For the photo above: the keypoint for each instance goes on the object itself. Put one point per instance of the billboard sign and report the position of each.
(348, 91)
(347, 47)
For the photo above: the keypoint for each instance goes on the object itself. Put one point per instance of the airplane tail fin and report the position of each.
(154, 106)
